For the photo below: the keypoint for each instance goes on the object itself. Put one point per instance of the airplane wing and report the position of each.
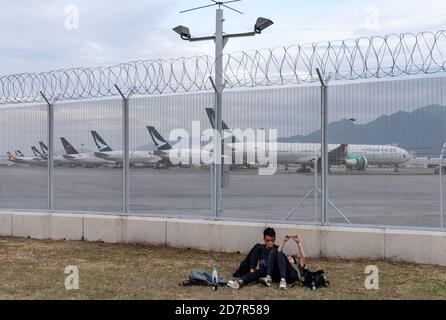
(306, 159)
(160, 153)
(339, 155)
(101, 155)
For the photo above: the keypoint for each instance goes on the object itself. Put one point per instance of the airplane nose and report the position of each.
(407, 156)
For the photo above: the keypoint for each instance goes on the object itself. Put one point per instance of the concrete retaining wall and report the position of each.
(223, 236)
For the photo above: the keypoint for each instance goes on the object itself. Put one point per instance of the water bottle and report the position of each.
(215, 279)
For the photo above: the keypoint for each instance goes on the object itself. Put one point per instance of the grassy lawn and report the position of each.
(32, 269)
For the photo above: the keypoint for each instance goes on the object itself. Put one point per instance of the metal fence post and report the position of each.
(324, 148)
(50, 156)
(441, 193)
(441, 187)
(125, 155)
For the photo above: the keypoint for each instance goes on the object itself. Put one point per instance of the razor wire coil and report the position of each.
(361, 58)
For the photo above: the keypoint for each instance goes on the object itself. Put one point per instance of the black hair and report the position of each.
(270, 232)
(295, 259)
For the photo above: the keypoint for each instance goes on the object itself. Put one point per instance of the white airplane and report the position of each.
(354, 157)
(86, 159)
(135, 157)
(21, 159)
(57, 159)
(176, 155)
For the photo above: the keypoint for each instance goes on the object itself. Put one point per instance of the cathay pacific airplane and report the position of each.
(181, 155)
(354, 157)
(57, 159)
(107, 153)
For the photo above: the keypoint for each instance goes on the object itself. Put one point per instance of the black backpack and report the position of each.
(199, 277)
(314, 280)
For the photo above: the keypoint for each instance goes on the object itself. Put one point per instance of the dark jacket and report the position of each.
(257, 256)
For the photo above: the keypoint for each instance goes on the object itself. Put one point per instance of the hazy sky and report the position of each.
(35, 38)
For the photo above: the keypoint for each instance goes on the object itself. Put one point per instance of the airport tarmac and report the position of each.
(379, 197)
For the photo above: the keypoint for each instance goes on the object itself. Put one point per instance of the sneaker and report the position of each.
(233, 284)
(282, 285)
(267, 281)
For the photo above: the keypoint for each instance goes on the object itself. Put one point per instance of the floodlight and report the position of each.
(262, 24)
(183, 32)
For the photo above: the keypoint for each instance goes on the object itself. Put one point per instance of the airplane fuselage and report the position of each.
(142, 157)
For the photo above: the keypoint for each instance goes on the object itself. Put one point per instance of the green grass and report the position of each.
(32, 269)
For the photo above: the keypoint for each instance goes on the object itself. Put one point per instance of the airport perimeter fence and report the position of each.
(392, 130)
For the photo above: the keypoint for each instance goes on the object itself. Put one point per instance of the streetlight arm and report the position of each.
(226, 36)
(201, 39)
(239, 35)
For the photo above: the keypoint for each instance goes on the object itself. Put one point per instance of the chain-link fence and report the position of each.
(385, 138)
(392, 173)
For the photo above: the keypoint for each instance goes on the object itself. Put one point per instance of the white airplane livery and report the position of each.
(176, 155)
(354, 157)
(107, 153)
(76, 157)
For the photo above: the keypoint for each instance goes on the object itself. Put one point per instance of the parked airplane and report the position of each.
(135, 157)
(24, 160)
(19, 154)
(181, 155)
(57, 159)
(354, 157)
(86, 159)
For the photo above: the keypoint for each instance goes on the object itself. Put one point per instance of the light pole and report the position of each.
(220, 40)
(353, 120)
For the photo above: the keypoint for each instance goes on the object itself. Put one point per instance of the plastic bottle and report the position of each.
(215, 279)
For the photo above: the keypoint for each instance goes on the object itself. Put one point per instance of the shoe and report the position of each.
(267, 281)
(233, 284)
(282, 285)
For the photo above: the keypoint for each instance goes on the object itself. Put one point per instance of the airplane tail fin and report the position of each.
(43, 147)
(160, 143)
(19, 154)
(211, 115)
(11, 157)
(68, 147)
(36, 152)
(100, 143)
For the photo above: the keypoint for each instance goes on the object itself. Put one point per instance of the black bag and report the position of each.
(199, 277)
(314, 280)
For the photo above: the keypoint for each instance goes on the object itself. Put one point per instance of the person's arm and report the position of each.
(301, 250)
(284, 241)
(254, 261)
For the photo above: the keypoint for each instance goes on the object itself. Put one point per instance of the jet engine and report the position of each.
(357, 163)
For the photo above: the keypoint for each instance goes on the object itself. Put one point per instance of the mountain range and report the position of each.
(422, 132)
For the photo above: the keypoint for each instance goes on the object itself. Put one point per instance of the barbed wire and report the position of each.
(361, 58)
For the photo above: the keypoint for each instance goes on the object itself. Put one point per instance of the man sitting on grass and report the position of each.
(255, 265)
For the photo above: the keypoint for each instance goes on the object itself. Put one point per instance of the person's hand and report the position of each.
(296, 238)
(287, 237)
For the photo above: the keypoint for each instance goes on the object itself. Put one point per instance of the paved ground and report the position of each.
(411, 198)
